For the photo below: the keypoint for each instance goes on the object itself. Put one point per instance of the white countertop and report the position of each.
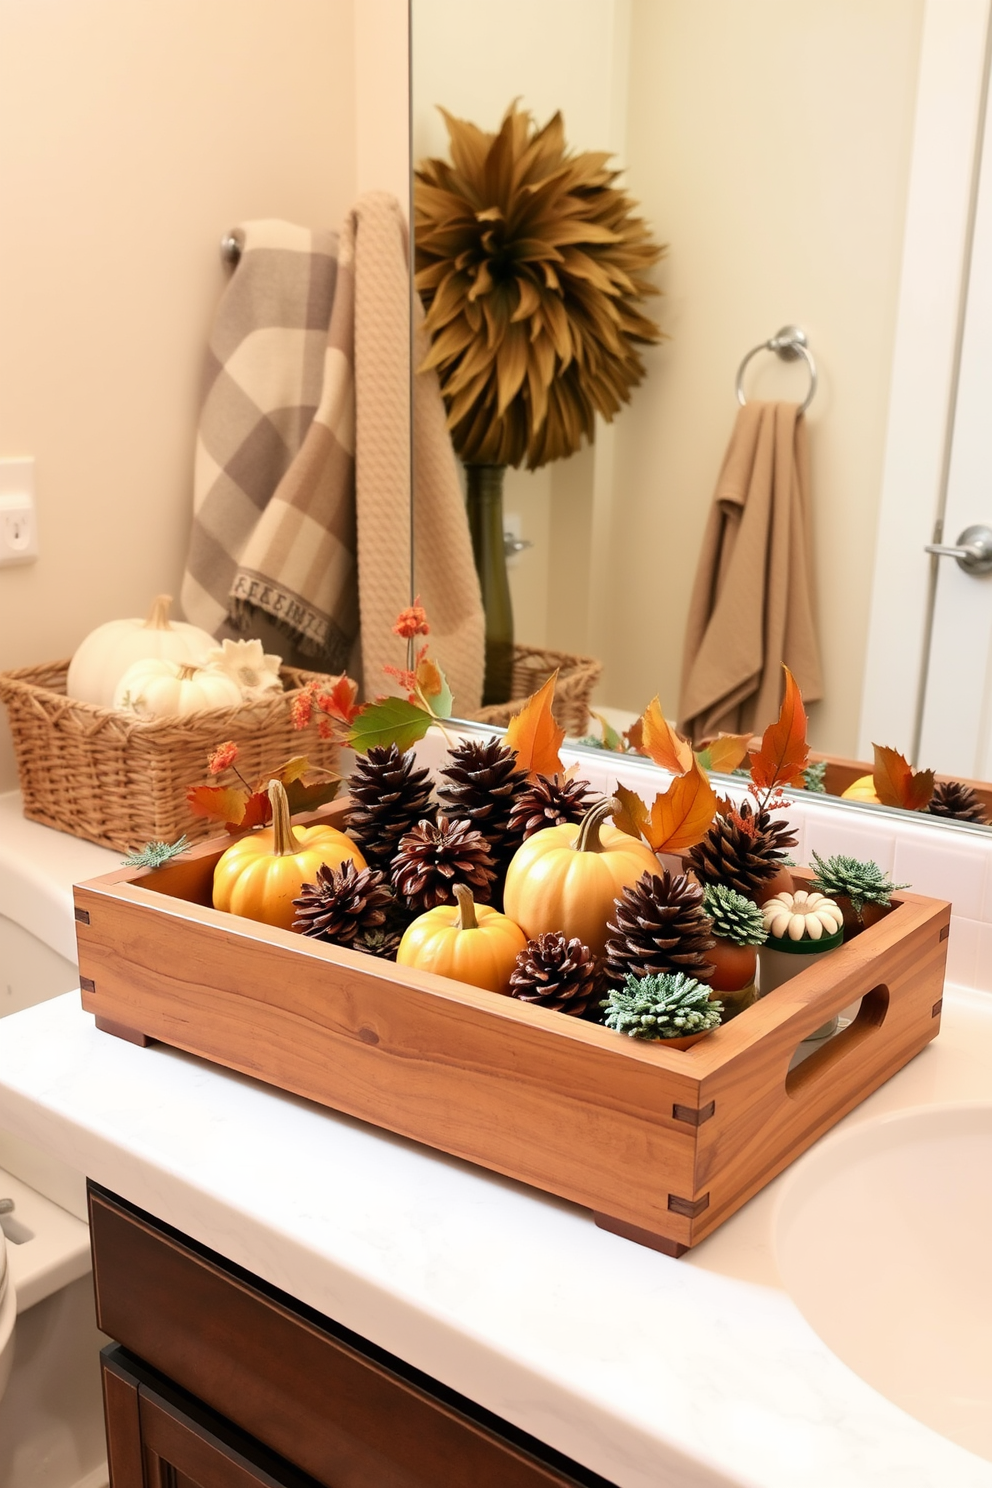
(655, 1373)
(38, 867)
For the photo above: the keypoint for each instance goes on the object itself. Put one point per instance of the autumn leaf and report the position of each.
(784, 751)
(897, 783)
(390, 720)
(611, 739)
(258, 810)
(667, 748)
(339, 701)
(535, 736)
(307, 796)
(433, 684)
(223, 803)
(632, 817)
(725, 753)
(681, 815)
(634, 736)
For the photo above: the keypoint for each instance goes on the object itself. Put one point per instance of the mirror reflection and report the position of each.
(771, 150)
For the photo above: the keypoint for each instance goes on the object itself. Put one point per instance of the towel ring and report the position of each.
(231, 245)
(789, 343)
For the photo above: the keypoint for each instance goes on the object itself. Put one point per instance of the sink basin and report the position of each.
(883, 1237)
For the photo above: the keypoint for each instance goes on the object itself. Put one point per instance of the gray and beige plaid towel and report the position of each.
(302, 480)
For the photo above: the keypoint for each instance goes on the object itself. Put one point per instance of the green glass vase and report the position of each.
(485, 520)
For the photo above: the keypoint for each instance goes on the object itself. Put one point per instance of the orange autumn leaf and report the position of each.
(784, 751)
(634, 736)
(535, 736)
(897, 783)
(658, 739)
(681, 815)
(726, 752)
(632, 817)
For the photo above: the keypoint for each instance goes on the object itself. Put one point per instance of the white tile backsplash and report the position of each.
(954, 870)
(962, 951)
(983, 965)
(830, 837)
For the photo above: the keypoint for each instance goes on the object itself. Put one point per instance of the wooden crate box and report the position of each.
(661, 1144)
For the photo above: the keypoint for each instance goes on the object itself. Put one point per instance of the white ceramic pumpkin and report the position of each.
(105, 655)
(155, 688)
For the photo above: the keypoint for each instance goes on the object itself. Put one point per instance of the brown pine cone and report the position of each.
(743, 849)
(480, 785)
(956, 801)
(383, 943)
(659, 926)
(389, 797)
(344, 904)
(433, 858)
(556, 973)
(548, 802)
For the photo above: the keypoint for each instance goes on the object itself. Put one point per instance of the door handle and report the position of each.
(973, 550)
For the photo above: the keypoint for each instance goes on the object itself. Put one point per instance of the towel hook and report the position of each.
(789, 343)
(231, 245)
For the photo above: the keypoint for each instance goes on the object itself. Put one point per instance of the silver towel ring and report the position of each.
(789, 343)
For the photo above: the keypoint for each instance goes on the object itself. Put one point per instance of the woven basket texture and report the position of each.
(532, 666)
(120, 781)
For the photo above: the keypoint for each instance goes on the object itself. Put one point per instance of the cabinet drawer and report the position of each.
(335, 1406)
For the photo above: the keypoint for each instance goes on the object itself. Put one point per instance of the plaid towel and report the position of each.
(274, 487)
(303, 459)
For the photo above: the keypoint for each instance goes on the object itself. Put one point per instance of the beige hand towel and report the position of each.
(752, 605)
(443, 572)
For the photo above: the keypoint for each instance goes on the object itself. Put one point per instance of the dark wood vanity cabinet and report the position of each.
(218, 1380)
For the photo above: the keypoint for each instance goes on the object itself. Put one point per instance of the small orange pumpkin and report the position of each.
(566, 878)
(469, 942)
(259, 876)
(862, 789)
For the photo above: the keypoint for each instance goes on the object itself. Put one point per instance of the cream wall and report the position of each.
(768, 142)
(132, 137)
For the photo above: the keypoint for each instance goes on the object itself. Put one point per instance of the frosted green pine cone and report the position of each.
(661, 1007)
(734, 918)
(862, 883)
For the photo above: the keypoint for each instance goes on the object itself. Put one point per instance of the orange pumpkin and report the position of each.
(862, 789)
(566, 878)
(259, 876)
(469, 942)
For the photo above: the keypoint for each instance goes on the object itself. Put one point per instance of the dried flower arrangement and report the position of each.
(531, 265)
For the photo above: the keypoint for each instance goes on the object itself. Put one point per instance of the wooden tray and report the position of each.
(663, 1145)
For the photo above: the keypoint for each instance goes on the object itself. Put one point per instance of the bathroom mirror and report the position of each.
(776, 151)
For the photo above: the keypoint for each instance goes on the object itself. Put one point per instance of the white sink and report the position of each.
(884, 1240)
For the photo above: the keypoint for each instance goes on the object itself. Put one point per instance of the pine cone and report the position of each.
(743, 849)
(556, 973)
(383, 943)
(957, 802)
(548, 802)
(344, 905)
(433, 858)
(659, 926)
(481, 784)
(390, 797)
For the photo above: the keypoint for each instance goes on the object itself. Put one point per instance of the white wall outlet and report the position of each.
(18, 524)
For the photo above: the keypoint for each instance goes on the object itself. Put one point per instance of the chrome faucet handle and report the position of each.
(973, 550)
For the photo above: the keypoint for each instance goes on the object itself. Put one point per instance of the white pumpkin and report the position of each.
(155, 688)
(105, 655)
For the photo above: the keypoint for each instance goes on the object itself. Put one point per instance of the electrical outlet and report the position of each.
(18, 527)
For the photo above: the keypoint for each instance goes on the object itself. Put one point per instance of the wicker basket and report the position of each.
(120, 781)
(532, 666)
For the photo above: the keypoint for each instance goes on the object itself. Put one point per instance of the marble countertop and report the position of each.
(697, 1373)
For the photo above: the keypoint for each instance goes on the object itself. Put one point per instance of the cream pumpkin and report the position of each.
(104, 656)
(566, 878)
(259, 876)
(169, 689)
(862, 789)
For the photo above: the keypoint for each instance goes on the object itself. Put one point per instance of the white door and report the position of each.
(957, 699)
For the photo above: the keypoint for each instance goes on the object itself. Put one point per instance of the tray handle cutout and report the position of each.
(818, 1065)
